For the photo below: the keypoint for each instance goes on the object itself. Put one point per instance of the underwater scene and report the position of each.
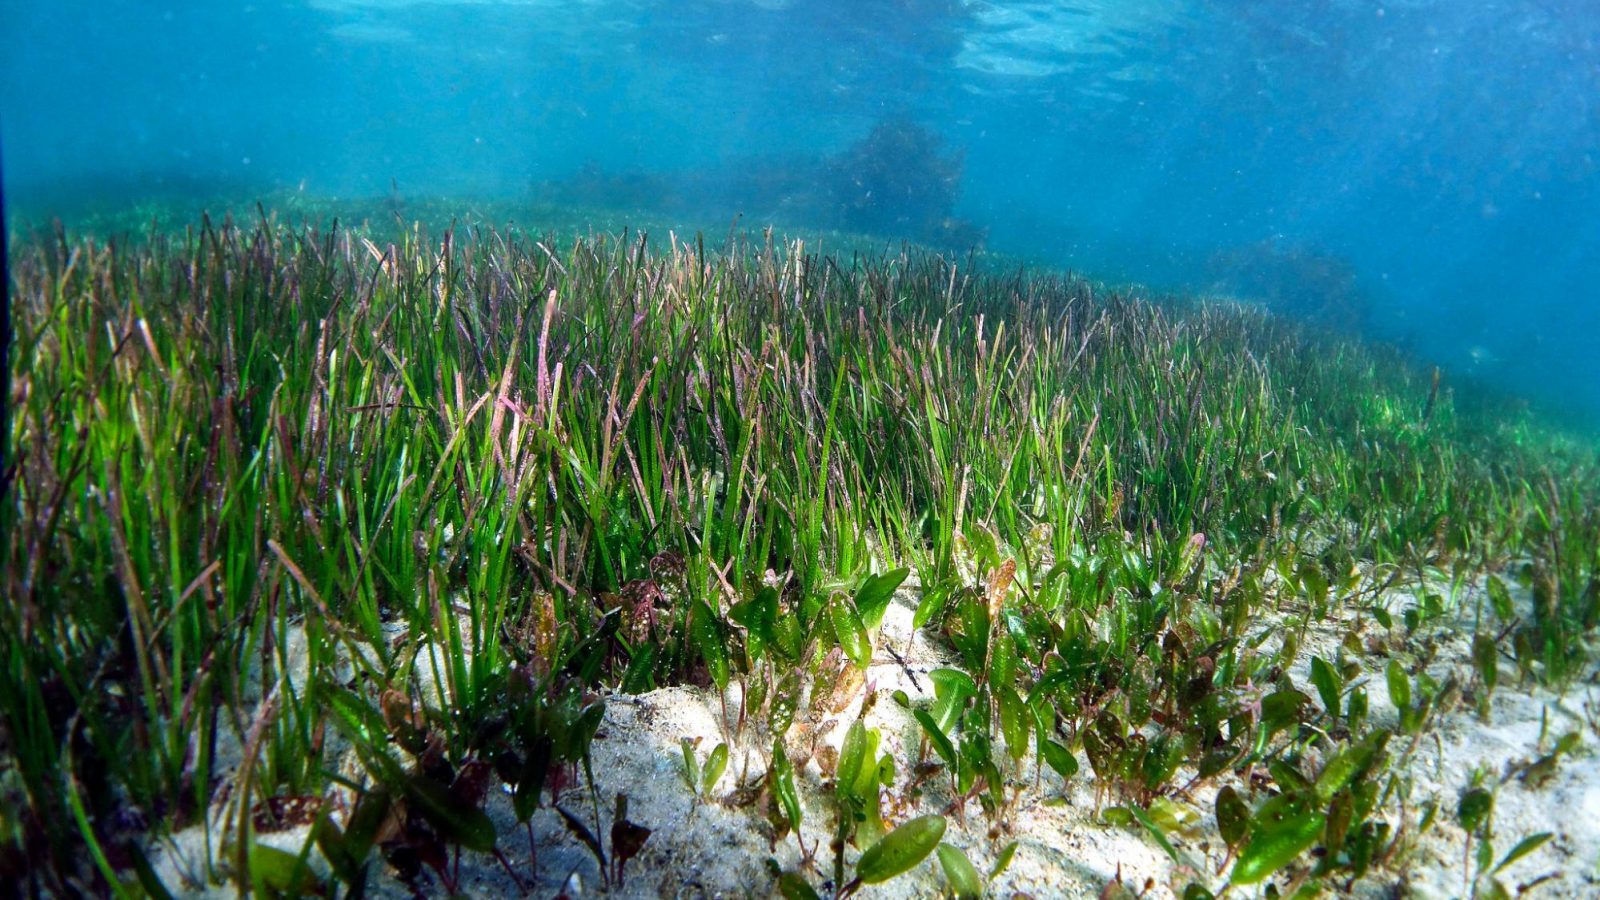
(800, 448)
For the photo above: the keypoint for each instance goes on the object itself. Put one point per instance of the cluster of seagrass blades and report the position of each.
(311, 528)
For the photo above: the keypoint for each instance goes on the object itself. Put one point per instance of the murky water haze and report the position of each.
(1424, 169)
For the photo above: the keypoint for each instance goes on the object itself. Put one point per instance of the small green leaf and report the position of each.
(715, 766)
(965, 882)
(709, 641)
(1059, 758)
(1472, 812)
(1275, 846)
(1487, 657)
(1016, 721)
(1500, 598)
(1328, 684)
(1525, 846)
(900, 850)
(851, 633)
(788, 636)
(1492, 889)
(1003, 861)
(1356, 707)
(1347, 764)
(931, 605)
(1281, 709)
(872, 598)
(852, 755)
(783, 785)
(936, 736)
(1173, 815)
(281, 873)
(793, 886)
(1399, 685)
(1120, 816)
(759, 614)
(1156, 832)
(1233, 816)
(691, 765)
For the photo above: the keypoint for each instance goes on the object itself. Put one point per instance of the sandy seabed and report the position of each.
(722, 848)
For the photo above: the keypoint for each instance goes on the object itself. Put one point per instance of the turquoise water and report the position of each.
(1422, 170)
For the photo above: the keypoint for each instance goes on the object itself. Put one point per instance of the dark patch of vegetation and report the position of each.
(1297, 281)
(898, 181)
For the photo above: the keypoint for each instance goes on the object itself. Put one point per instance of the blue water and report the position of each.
(1432, 161)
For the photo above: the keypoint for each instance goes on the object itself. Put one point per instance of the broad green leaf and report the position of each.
(1327, 682)
(852, 754)
(759, 614)
(1473, 811)
(1059, 758)
(715, 766)
(985, 547)
(1347, 764)
(1016, 721)
(872, 599)
(951, 689)
(1281, 709)
(1276, 845)
(1487, 657)
(1002, 657)
(356, 718)
(965, 883)
(1233, 816)
(1399, 685)
(1500, 598)
(900, 850)
(709, 641)
(873, 775)
(933, 601)
(952, 683)
(851, 633)
(783, 784)
(788, 636)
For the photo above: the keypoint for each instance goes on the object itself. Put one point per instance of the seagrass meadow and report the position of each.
(332, 555)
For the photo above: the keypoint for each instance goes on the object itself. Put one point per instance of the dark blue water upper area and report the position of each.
(1433, 161)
